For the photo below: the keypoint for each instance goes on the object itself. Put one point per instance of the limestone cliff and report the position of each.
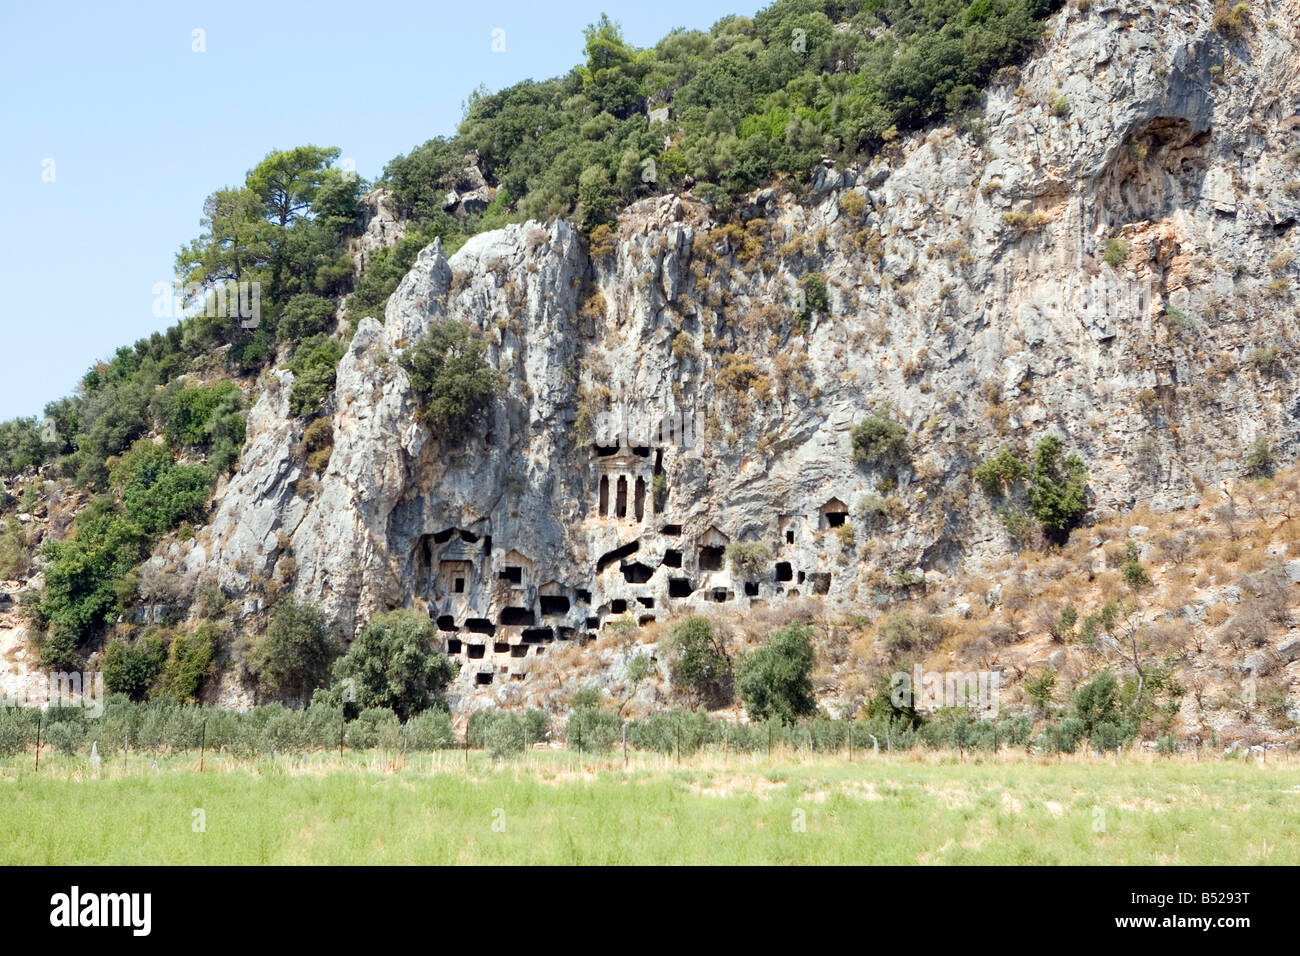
(1106, 255)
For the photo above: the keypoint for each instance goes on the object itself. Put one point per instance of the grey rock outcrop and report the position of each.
(1096, 273)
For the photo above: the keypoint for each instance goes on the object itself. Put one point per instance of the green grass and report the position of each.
(554, 808)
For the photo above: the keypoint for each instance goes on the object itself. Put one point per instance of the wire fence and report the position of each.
(160, 727)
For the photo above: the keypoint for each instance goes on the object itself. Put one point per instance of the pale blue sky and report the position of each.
(140, 129)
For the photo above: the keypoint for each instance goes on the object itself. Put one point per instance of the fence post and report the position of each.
(38, 739)
(342, 718)
(624, 746)
(203, 740)
(679, 744)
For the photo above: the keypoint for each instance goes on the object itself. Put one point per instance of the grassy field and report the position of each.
(551, 807)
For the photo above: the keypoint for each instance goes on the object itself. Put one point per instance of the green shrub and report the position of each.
(191, 411)
(502, 735)
(1259, 460)
(1135, 576)
(592, 731)
(749, 560)
(1057, 489)
(1097, 707)
(1115, 252)
(294, 655)
(189, 663)
(82, 571)
(1040, 688)
(17, 729)
(775, 680)
(879, 439)
(305, 315)
(374, 728)
(999, 472)
(1020, 527)
(537, 726)
(314, 365)
(698, 663)
(15, 556)
(131, 668)
(66, 737)
(157, 493)
(1064, 736)
(815, 297)
(318, 444)
(21, 446)
(448, 370)
(393, 664)
(430, 730)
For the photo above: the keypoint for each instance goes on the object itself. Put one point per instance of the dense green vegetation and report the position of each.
(393, 665)
(879, 439)
(750, 100)
(775, 680)
(294, 656)
(1055, 492)
(448, 369)
(698, 662)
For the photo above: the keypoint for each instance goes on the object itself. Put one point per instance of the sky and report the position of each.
(118, 119)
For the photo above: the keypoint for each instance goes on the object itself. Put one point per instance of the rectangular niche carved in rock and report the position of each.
(554, 605)
(537, 635)
(711, 558)
(516, 617)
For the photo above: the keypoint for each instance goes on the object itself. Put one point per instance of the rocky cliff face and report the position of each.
(1106, 255)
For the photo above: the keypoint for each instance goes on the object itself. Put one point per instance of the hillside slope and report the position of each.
(791, 400)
